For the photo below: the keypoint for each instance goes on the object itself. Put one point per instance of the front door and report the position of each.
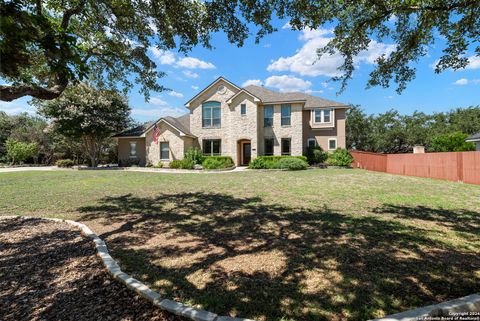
(247, 153)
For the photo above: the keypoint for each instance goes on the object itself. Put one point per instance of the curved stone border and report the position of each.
(114, 270)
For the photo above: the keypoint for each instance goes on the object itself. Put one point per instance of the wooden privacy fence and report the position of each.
(454, 166)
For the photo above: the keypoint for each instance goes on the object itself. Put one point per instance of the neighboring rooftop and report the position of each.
(270, 96)
(136, 131)
(474, 138)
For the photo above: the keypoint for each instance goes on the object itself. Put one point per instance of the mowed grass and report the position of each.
(309, 245)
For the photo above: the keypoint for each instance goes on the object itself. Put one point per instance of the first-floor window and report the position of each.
(212, 147)
(164, 150)
(268, 146)
(332, 143)
(133, 149)
(286, 146)
(311, 142)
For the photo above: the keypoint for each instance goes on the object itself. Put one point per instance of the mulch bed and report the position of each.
(49, 271)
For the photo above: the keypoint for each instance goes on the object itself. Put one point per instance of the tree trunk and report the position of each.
(92, 146)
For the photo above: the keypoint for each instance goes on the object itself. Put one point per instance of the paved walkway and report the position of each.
(132, 169)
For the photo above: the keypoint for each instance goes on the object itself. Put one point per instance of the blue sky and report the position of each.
(283, 61)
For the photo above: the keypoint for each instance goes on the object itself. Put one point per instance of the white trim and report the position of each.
(255, 98)
(187, 104)
(130, 151)
(160, 150)
(328, 143)
(322, 116)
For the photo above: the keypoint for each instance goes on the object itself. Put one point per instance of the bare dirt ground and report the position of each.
(49, 271)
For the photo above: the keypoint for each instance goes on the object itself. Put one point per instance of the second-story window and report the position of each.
(286, 114)
(243, 109)
(322, 115)
(211, 114)
(268, 116)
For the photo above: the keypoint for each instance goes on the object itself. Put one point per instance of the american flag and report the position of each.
(156, 131)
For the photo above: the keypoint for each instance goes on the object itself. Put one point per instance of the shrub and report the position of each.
(340, 157)
(149, 164)
(20, 152)
(292, 164)
(315, 155)
(217, 162)
(181, 164)
(159, 165)
(453, 142)
(271, 162)
(195, 155)
(127, 162)
(64, 163)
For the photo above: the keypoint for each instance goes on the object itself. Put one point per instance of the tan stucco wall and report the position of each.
(322, 135)
(124, 149)
(168, 134)
(277, 131)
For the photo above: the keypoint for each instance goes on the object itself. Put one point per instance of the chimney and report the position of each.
(419, 149)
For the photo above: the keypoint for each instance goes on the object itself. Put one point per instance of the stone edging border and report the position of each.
(114, 270)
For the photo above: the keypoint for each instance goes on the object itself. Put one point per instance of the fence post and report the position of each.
(460, 166)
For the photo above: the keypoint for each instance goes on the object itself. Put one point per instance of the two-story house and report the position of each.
(225, 119)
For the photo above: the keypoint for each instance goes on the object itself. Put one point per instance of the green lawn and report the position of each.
(308, 245)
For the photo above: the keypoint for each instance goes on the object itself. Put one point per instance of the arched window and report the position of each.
(211, 115)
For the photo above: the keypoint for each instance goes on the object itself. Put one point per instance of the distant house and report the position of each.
(225, 119)
(474, 139)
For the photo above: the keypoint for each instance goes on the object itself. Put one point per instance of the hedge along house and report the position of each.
(243, 123)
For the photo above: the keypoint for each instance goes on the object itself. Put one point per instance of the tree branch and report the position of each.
(9, 93)
(70, 12)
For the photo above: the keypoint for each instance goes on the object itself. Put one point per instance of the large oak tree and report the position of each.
(45, 45)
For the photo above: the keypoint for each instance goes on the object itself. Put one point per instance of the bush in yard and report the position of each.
(181, 164)
(292, 164)
(340, 157)
(18, 152)
(195, 155)
(159, 165)
(453, 142)
(217, 162)
(315, 155)
(64, 163)
(271, 162)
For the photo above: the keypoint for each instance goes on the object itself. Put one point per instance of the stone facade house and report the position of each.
(225, 119)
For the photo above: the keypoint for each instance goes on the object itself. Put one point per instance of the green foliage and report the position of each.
(270, 162)
(159, 165)
(340, 157)
(88, 115)
(315, 155)
(195, 155)
(19, 152)
(64, 163)
(108, 41)
(149, 164)
(217, 162)
(391, 132)
(181, 164)
(292, 164)
(454, 142)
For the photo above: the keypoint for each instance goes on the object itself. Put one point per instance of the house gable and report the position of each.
(213, 92)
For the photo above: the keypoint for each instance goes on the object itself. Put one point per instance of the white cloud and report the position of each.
(157, 112)
(256, 82)
(163, 56)
(173, 93)
(194, 63)
(267, 45)
(15, 108)
(158, 101)
(473, 62)
(306, 62)
(286, 83)
(287, 26)
(310, 91)
(461, 82)
(190, 74)
(195, 87)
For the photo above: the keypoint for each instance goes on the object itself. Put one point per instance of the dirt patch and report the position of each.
(49, 271)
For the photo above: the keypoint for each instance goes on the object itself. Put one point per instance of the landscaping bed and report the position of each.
(49, 271)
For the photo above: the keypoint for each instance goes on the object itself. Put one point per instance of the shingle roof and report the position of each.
(474, 138)
(136, 131)
(270, 96)
(182, 123)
